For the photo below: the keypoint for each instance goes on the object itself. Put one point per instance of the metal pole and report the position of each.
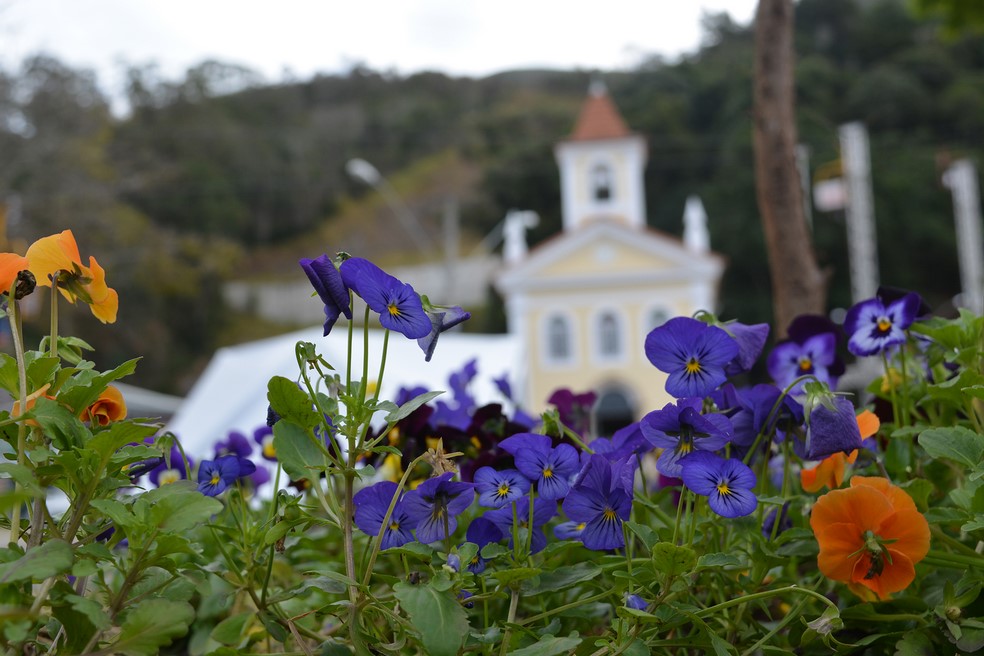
(961, 178)
(861, 240)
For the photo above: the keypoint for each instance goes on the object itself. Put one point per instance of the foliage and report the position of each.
(728, 560)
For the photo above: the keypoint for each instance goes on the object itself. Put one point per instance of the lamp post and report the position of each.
(362, 170)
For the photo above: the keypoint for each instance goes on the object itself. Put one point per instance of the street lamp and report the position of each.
(365, 172)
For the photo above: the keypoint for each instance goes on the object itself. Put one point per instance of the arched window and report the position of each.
(609, 339)
(657, 317)
(601, 182)
(558, 339)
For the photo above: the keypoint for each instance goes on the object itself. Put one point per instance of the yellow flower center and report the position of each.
(805, 364)
(580, 526)
(609, 515)
(723, 488)
(169, 476)
(215, 478)
(268, 449)
(884, 324)
(693, 367)
(393, 310)
(394, 526)
(503, 489)
(548, 472)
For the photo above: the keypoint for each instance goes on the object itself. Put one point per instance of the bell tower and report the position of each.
(601, 167)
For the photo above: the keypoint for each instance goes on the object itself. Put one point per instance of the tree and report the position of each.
(798, 286)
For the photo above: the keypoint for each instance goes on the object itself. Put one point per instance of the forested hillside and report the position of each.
(217, 176)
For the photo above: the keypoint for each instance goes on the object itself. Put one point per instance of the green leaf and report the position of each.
(175, 507)
(955, 443)
(24, 476)
(291, 403)
(152, 624)
(52, 557)
(9, 379)
(407, 408)
(919, 489)
(548, 645)
(296, 451)
(230, 630)
(507, 576)
(441, 620)
(644, 533)
(562, 578)
(82, 390)
(671, 560)
(719, 560)
(63, 427)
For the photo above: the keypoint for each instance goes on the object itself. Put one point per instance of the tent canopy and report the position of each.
(231, 393)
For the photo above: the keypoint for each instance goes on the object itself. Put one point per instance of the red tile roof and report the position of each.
(599, 119)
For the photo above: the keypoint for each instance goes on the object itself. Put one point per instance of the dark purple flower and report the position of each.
(481, 532)
(635, 602)
(574, 409)
(398, 305)
(600, 501)
(692, 353)
(727, 484)
(433, 506)
(162, 474)
(628, 440)
(498, 488)
(235, 444)
(543, 511)
(680, 429)
(441, 319)
(327, 281)
(371, 504)
(874, 326)
(831, 424)
(550, 468)
(214, 476)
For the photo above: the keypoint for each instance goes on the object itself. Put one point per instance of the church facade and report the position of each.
(581, 303)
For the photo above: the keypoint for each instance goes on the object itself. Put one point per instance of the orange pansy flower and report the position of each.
(871, 536)
(59, 255)
(829, 472)
(10, 265)
(109, 407)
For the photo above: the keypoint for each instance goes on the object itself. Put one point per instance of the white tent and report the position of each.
(231, 393)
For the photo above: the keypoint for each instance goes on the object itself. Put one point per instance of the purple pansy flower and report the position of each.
(214, 476)
(680, 429)
(435, 504)
(441, 318)
(569, 530)
(635, 602)
(750, 339)
(692, 353)
(498, 488)
(543, 511)
(371, 504)
(573, 409)
(327, 281)
(550, 468)
(789, 360)
(162, 474)
(398, 305)
(235, 444)
(874, 326)
(727, 484)
(831, 424)
(263, 436)
(600, 501)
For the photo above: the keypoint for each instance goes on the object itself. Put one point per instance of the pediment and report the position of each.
(606, 253)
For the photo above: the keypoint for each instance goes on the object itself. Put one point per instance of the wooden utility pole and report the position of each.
(798, 285)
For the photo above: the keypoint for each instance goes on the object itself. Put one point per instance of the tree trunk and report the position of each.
(798, 286)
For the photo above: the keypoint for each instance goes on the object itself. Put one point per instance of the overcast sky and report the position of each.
(302, 37)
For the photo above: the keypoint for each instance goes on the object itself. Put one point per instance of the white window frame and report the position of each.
(622, 332)
(548, 359)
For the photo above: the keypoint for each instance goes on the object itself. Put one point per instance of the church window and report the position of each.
(559, 347)
(609, 339)
(601, 182)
